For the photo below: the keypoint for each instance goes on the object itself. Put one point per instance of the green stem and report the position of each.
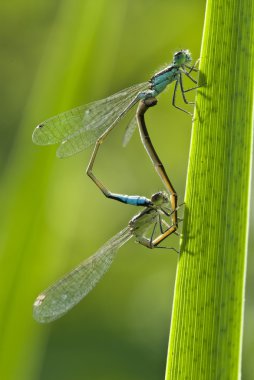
(207, 322)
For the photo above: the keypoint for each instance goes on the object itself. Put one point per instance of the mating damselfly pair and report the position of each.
(79, 128)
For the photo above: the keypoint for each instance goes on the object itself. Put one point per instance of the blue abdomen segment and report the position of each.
(135, 200)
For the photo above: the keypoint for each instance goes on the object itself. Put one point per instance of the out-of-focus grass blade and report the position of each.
(27, 245)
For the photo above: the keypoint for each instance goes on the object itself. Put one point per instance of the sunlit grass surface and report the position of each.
(54, 57)
(207, 323)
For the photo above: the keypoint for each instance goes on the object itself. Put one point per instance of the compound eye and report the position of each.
(159, 198)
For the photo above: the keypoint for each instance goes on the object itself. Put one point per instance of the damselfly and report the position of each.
(59, 298)
(77, 129)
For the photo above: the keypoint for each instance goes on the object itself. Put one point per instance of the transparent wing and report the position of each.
(80, 127)
(68, 291)
(131, 127)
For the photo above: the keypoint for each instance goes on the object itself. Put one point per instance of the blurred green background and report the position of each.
(56, 55)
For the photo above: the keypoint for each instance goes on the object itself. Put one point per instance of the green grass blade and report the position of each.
(207, 322)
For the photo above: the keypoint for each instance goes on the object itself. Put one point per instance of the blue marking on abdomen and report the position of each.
(134, 200)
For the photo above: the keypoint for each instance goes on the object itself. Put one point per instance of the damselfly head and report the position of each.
(160, 198)
(182, 57)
